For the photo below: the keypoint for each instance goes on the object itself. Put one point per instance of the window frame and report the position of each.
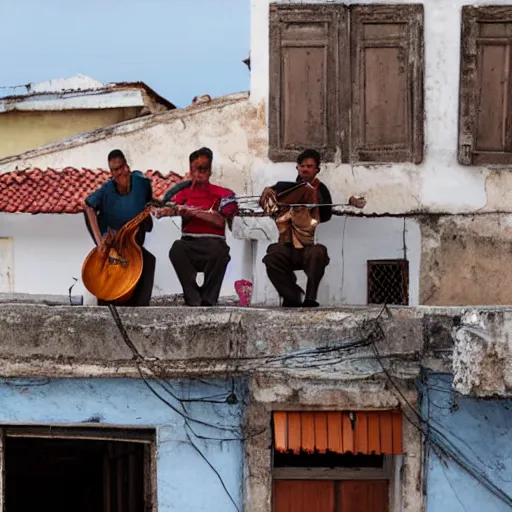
(146, 436)
(402, 262)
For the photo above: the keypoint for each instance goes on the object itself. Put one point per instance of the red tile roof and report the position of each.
(52, 191)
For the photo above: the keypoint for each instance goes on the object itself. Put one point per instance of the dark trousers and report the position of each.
(281, 262)
(144, 287)
(191, 255)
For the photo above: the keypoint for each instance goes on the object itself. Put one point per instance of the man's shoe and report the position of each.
(310, 303)
(291, 303)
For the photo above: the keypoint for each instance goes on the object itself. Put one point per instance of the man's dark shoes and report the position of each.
(287, 303)
(310, 303)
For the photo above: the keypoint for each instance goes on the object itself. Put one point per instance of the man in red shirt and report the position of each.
(205, 209)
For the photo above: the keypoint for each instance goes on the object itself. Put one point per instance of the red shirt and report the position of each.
(205, 197)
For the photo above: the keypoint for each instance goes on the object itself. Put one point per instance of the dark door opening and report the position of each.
(82, 475)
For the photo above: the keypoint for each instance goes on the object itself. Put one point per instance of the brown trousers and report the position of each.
(191, 255)
(281, 262)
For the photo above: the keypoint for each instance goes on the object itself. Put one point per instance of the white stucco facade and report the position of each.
(236, 129)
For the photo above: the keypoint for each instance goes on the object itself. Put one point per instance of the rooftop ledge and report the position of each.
(328, 344)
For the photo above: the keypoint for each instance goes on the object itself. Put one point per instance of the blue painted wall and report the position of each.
(185, 481)
(481, 431)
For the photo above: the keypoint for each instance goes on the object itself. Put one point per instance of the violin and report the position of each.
(296, 224)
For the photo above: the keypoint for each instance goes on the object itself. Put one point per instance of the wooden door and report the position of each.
(364, 496)
(331, 496)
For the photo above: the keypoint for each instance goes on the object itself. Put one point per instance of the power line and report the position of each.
(438, 439)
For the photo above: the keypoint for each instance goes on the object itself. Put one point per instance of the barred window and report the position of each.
(388, 282)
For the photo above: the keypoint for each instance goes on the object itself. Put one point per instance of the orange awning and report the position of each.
(362, 432)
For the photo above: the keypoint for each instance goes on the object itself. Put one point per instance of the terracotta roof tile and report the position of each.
(64, 191)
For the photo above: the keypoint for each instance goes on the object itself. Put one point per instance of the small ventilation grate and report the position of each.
(388, 282)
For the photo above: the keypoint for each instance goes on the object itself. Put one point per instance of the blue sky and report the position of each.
(180, 48)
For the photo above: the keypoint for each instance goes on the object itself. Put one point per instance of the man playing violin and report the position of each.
(296, 248)
(205, 209)
(116, 202)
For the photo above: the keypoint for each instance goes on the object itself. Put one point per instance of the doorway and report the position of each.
(79, 474)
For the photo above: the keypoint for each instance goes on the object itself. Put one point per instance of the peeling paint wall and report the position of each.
(465, 260)
(129, 403)
(478, 430)
(482, 354)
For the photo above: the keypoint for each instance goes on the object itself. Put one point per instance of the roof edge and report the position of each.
(125, 127)
(107, 88)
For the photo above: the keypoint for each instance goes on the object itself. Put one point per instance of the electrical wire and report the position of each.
(440, 441)
(441, 445)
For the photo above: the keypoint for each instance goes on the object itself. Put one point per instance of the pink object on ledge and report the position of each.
(244, 290)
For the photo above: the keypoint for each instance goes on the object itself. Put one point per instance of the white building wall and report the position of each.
(439, 184)
(49, 251)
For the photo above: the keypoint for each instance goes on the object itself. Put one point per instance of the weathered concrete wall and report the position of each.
(78, 341)
(180, 341)
(479, 432)
(129, 403)
(465, 260)
(482, 353)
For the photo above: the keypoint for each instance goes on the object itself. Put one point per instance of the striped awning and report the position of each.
(361, 432)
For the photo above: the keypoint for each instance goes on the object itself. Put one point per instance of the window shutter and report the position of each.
(387, 67)
(303, 496)
(303, 80)
(485, 110)
(364, 495)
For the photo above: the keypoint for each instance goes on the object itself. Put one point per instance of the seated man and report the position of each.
(116, 202)
(205, 209)
(296, 249)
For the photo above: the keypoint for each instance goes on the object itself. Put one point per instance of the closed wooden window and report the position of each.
(348, 79)
(331, 496)
(303, 76)
(485, 112)
(387, 65)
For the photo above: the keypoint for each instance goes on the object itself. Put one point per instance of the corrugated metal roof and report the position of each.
(361, 432)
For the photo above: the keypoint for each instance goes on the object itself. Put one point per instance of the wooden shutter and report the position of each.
(364, 496)
(485, 110)
(303, 79)
(331, 496)
(303, 496)
(387, 66)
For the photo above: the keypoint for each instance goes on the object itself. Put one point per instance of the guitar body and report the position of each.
(112, 275)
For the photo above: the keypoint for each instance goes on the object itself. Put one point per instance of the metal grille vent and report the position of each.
(388, 282)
